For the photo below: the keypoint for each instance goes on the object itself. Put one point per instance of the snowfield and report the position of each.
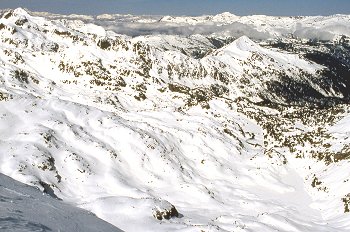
(214, 131)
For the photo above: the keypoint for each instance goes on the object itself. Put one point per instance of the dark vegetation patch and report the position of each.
(64, 33)
(104, 44)
(200, 95)
(21, 76)
(21, 22)
(50, 46)
(174, 87)
(5, 96)
(295, 92)
(219, 43)
(337, 74)
(346, 201)
(141, 91)
(8, 14)
(335, 77)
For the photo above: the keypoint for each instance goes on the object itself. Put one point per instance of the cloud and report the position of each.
(312, 33)
(235, 29)
(134, 29)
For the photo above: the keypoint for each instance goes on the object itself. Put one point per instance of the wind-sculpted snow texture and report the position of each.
(215, 129)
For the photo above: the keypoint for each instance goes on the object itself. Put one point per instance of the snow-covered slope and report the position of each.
(24, 208)
(210, 131)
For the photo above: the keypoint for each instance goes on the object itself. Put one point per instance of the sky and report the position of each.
(185, 7)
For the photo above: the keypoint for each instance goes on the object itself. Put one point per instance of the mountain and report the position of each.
(221, 126)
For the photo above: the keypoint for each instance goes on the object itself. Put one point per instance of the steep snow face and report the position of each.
(24, 208)
(242, 136)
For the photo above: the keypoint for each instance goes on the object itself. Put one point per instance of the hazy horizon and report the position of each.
(182, 7)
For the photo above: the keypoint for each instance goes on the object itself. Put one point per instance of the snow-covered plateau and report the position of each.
(162, 123)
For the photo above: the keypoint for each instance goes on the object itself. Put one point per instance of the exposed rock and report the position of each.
(164, 210)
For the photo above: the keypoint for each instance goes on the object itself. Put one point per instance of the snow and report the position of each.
(25, 208)
(121, 158)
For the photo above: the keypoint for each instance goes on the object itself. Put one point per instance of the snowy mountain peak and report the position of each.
(18, 12)
(225, 16)
(244, 44)
(167, 18)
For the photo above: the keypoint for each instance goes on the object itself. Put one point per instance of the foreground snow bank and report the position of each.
(24, 208)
